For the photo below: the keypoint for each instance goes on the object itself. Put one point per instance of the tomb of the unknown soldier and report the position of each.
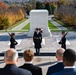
(39, 19)
(38, 37)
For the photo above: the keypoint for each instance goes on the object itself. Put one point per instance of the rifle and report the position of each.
(7, 32)
(65, 34)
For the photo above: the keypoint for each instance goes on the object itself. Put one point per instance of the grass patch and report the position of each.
(56, 30)
(14, 30)
(51, 26)
(26, 30)
(63, 24)
(60, 22)
(16, 24)
(27, 27)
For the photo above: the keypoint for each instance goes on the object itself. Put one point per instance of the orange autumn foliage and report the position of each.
(3, 6)
(9, 15)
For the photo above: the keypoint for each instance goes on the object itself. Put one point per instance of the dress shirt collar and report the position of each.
(28, 62)
(69, 67)
(60, 61)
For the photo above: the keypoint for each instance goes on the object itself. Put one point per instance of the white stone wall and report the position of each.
(39, 19)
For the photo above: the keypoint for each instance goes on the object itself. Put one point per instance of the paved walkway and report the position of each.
(50, 46)
(19, 27)
(60, 27)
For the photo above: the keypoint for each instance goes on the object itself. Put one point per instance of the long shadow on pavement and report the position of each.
(47, 63)
(41, 54)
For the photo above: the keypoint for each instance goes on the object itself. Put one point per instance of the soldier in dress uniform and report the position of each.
(63, 40)
(13, 42)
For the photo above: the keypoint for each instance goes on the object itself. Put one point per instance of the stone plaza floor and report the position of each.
(50, 45)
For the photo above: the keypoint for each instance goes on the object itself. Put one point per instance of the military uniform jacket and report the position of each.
(13, 42)
(37, 39)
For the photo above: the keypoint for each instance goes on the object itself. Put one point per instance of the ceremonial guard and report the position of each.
(13, 42)
(37, 39)
(63, 40)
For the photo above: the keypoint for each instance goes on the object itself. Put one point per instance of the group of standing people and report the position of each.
(37, 39)
(11, 60)
(65, 65)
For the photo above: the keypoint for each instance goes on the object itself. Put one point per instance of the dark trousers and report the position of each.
(38, 51)
(64, 46)
(12, 46)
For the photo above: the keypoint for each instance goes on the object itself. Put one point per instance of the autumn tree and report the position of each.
(67, 13)
(28, 8)
(40, 5)
(9, 15)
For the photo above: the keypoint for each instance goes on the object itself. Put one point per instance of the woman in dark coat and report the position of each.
(37, 39)
(13, 42)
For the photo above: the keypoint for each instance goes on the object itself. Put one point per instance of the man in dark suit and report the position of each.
(28, 57)
(63, 40)
(37, 39)
(69, 58)
(11, 59)
(13, 42)
(59, 66)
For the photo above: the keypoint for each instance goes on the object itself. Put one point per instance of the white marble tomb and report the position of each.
(39, 19)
